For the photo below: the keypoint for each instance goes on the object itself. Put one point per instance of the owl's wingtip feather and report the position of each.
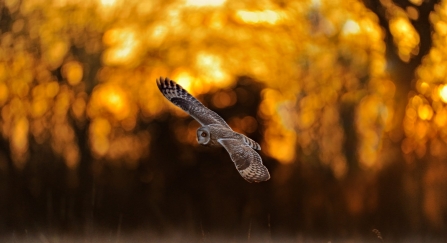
(168, 83)
(165, 82)
(159, 81)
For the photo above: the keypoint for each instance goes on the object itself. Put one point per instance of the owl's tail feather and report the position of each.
(251, 143)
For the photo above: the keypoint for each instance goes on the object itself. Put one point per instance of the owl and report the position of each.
(215, 132)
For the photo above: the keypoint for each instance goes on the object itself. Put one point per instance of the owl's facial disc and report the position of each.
(203, 135)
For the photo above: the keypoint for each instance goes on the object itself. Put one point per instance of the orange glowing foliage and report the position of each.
(110, 99)
(201, 3)
(259, 17)
(405, 36)
(99, 132)
(73, 72)
(124, 46)
(19, 140)
(425, 122)
(443, 93)
(98, 61)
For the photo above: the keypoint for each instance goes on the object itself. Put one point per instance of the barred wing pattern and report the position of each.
(247, 161)
(240, 147)
(181, 98)
(251, 143)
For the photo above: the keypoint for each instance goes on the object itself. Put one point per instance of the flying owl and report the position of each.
(215, 132)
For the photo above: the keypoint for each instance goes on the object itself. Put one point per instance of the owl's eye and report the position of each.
(203, 134)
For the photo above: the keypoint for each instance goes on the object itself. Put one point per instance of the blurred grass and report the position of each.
(137, 238)
(143, 236)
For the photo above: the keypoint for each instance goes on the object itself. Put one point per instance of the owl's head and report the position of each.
(203, 135)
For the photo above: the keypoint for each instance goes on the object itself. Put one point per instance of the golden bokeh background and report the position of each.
(77, 87)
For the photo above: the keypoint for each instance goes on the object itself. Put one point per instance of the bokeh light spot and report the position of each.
(211, 66)
(52, 89)
(224, 99)
(124, 45)
(73, 72)
(443, 93)
(351, 27)
(425, 112)
(110, 98)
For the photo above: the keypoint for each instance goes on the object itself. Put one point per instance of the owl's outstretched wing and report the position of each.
(247, 161)
(181, 98)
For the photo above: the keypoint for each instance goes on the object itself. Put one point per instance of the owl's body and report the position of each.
(220, 132)
(215, 132)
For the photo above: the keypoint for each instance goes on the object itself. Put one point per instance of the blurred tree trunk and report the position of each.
(403, 75)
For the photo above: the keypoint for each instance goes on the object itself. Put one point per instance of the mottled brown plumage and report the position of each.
(215, 132)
